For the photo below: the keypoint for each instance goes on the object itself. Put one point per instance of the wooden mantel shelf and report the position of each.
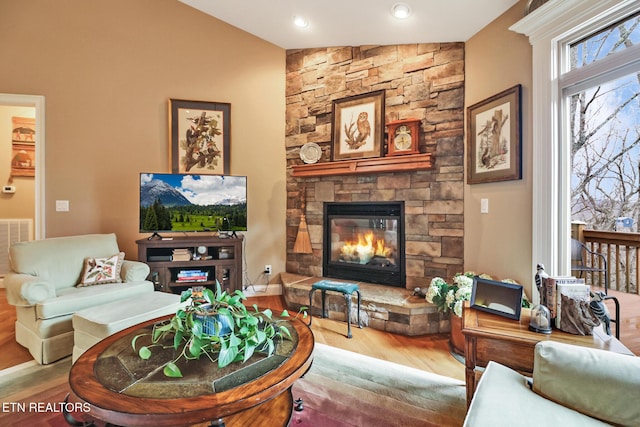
(377, 165)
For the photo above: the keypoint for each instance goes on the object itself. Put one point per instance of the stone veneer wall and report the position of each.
(423, 81)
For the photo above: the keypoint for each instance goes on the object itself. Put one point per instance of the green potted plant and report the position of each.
(216, 325)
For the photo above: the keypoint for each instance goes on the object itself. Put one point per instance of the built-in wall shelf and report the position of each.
(376, 165)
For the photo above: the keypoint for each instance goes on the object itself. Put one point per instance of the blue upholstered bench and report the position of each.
(346, 289)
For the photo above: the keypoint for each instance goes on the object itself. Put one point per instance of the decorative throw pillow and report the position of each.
(98, 271)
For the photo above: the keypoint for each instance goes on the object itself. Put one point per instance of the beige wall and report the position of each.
(20, 204)
(107, 69)
(499, 243)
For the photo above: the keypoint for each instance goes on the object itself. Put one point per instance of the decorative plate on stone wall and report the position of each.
(310, 152)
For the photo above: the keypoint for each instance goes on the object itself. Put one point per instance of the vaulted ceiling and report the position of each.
(355, 22)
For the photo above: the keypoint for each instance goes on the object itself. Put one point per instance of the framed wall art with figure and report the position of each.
(494, 137)
(358, 127)
(199, 137)
(23, 146)
(23, 159)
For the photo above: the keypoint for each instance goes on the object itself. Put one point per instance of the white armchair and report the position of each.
(46, 285)
(571, 386)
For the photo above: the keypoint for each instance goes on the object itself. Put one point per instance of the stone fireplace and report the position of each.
(364, 242)
(424, 81)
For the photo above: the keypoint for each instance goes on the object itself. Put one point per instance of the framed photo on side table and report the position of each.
(494, 135)
(501, 298)
(199, 137)
(358, 127)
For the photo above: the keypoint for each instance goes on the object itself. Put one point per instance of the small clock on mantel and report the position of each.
(404, 136)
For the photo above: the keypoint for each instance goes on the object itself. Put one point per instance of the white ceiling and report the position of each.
(355, 22)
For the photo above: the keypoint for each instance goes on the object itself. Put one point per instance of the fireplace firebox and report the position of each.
(364, 241)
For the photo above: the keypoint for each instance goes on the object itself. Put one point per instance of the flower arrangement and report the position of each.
(450, 297)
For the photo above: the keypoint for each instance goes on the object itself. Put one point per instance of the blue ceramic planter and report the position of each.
(214, 324)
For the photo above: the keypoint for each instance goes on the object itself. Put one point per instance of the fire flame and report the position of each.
(366, 248)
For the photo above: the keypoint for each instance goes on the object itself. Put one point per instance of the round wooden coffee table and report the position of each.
(127, 391)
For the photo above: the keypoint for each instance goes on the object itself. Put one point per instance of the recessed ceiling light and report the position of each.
(300, 21)
(401, 11)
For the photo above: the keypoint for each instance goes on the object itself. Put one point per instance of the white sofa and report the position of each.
(572, 386)
(43, 287)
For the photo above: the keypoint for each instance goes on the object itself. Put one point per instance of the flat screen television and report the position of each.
(192, 203)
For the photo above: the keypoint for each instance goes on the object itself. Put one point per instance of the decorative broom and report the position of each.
(303, 240)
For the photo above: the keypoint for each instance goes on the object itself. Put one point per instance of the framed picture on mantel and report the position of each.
(358, 127)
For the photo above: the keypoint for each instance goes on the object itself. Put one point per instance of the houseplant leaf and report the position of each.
(248, 352)
(284, 331)
(177, 339)
(227, 355)
(144, 353)
(195, 347)
(171, 370)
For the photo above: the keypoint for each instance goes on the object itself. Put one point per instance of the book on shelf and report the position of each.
(191, 273)
(551, 283)
(192, 276)
(192, 279)
(181, 255)
(577, 291)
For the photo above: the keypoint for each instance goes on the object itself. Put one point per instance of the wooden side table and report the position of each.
(511, 343)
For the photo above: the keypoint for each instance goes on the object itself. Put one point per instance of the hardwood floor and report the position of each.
(12, 353)
(630, 315)
(427, 352)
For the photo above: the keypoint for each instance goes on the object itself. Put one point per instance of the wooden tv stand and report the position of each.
(221, 259)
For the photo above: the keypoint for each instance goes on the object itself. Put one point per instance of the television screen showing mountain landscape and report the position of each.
(184, 202)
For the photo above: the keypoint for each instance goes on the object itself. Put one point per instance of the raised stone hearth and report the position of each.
(389, 309)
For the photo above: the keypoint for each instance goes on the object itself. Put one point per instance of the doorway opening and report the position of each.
(37, 102)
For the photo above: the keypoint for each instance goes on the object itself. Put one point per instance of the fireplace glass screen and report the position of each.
(363, 242)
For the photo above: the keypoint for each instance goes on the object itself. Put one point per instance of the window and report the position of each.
(603, 124)
(599, 45)
(552, 29)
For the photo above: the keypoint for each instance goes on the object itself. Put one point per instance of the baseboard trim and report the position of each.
(263, 290)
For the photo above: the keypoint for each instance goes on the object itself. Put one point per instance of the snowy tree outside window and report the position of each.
(604, 128)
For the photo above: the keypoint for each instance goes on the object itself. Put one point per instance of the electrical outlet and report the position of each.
(267, 269)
